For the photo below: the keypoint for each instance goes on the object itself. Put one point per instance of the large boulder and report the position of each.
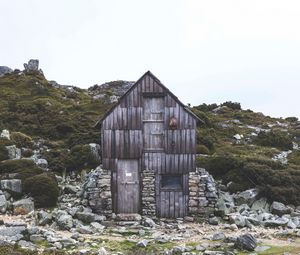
(5, 134)
(64, 220)
(88, 217)
(246, 242)
(261, 205)
(246, 197)
(13, 186)
(5, 70)
(238, 220)
(3, 203)
(13, 152)
(279, 208)
(224, 205)
(23, 206)
(32, 65)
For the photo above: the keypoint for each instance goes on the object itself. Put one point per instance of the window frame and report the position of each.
(170, 188)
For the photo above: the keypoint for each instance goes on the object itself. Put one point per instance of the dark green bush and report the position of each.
(21, 140)
(58, 159)
(26, 153)
(43, 188)
(277, 139)
(81, 157)
(202, 149)
(3, 153)
(206, 107)
(232, 105)
(23, 168)
(219, 166)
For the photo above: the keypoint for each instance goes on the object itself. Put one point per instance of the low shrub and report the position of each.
(43, 188)
(202, 149)
(276, 138)
(206, 107)
(81, 157)
(24, 168)
(232, 105)
(21, 140)
(58, 159)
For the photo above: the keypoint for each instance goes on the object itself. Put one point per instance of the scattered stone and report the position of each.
(213, 221)
(128, 217)
(13, 152)
(12, 231)
(3, 203)
(246, 242)
(246, 197)
(147, 222)
(42, 163)
(261, 205)
(218, 236)
(5, 70)
(262, 248)
(88, 217)
(5, 134)
(44, 218)
(64, 220)
(32, 66)
(23, 206)
(13, 186)
(142, 243)
(102, 251)
(279, 208)
(27, 245)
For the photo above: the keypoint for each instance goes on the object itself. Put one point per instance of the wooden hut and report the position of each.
(148, 143)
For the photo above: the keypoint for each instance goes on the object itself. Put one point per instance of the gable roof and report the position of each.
(98, 123)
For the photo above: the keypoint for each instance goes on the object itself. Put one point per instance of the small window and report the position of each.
(171, 182)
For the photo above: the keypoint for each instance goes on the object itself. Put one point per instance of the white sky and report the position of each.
(205, 51)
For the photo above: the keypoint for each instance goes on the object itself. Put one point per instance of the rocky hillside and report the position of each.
(56, 123)
(49, 163)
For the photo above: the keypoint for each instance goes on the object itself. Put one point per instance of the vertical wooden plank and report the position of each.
(177, 205)
(172, 204)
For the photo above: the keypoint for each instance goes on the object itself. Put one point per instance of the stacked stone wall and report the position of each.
(148, 193)
(202, 192)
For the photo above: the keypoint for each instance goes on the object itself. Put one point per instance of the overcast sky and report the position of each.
(205, 51)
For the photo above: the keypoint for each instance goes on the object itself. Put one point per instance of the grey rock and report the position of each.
(85, 230)
(11, 231)
(23, 206)
(246, 197)
(44, 218)
(5, 134)
(71, 189)
(5, 70)
(291, 224)
(36, 238)
(246, 242)
(88, 217)
(12, 186)
(128, 217)
(42, 163)
(218, 236)
(95, 151)
(199, 247)
(262, 248)
(238, 220)
(261, 205)
(147, 222)
(33, 65)
(102, 251)
(64, 221)
(142, 243)
(276, 222)
(213, 221)
(13, 152)
(27, 245)
(3, 203)
(279, 208)
(97, 227)
(178, 249)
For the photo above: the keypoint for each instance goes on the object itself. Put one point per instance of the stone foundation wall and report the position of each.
(148, 193)
(97, 190)
(202, 192)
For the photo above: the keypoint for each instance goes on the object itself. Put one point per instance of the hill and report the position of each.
(242, 148)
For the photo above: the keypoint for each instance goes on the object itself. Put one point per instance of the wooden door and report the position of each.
(153, 123)
(128, 188)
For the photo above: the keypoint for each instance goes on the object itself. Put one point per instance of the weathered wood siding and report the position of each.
(138, 128)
